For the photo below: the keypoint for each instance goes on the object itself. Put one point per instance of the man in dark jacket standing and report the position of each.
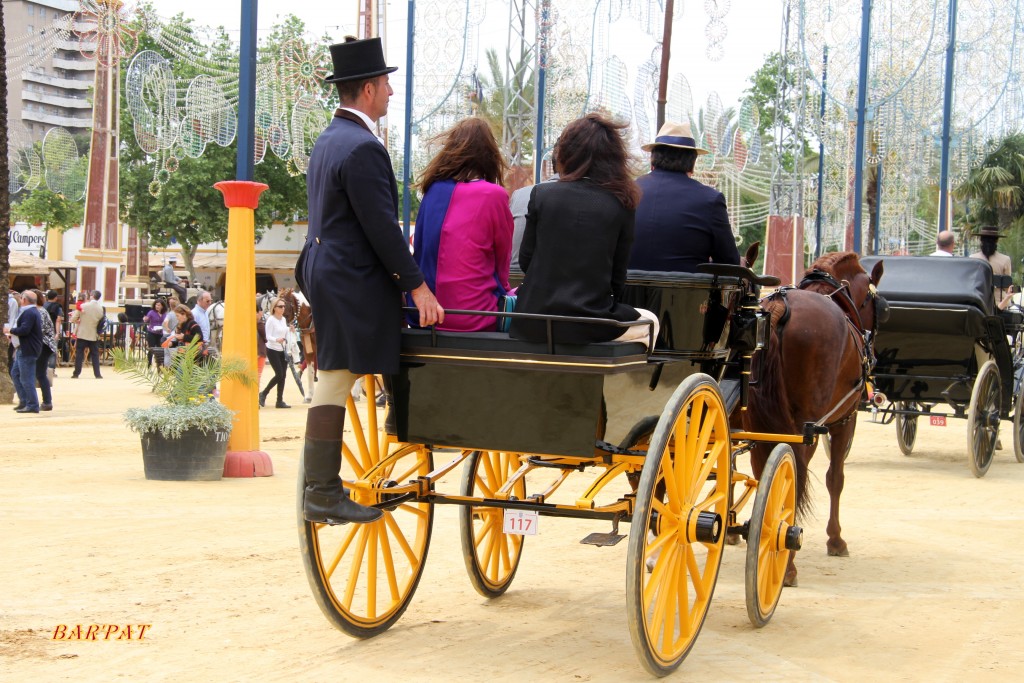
(29, 331)
(353, 268)
(680, 222)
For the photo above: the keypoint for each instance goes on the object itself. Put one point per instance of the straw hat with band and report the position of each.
(676, 135)
(357, 60)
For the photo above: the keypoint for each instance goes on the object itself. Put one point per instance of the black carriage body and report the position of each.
(485, 390)
(942, 326)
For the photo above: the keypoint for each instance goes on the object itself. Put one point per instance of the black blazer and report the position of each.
(680, 223)
(355, 263)
(574, 253)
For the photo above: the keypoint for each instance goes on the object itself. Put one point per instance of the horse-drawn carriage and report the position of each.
(945, 351)
(521, 418)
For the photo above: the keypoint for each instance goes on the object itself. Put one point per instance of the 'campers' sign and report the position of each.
(27, 238)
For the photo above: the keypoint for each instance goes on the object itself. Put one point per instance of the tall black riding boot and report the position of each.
(325, 499)
(390, 421)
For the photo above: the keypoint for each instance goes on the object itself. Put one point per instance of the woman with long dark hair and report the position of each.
(154, 321)
(1002, 290)
(579, 232)
(463, 240)
(188, 329)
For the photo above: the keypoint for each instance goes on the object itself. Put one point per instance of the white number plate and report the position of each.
(937, 420)
(520, 522)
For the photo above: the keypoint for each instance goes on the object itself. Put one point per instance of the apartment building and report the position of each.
(49, 78)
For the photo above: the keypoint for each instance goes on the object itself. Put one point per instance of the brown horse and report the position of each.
(814, 369)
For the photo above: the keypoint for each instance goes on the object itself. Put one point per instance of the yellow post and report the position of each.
(244, 459)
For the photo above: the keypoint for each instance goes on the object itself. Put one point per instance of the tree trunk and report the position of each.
(6, 385)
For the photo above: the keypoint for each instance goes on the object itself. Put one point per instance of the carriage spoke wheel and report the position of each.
(492, 556)
(363, 576)
(906, 427)
(678, 526)
(771, 519)
(1018, 423)
(983, 419)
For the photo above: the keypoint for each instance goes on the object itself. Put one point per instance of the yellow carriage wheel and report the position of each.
(772, 522)
(363, 576)
(678, 525)
(492, 556)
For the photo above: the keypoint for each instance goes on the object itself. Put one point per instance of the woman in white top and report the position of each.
(277, 338)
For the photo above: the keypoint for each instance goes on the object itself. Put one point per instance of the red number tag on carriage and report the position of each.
(937, 420)
(520, 522)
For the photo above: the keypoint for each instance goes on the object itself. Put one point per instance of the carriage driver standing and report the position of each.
(353, 268)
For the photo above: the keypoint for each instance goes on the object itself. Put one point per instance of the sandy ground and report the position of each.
(933, 589)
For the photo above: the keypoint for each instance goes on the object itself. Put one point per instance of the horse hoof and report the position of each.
(790, 581)
(838, 552)
(732, 539)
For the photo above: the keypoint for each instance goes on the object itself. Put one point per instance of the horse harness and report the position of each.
(862, 338)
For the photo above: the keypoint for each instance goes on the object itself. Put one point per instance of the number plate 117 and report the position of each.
(520, 522)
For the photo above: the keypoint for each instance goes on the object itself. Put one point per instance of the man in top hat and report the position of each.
(1002, 287)
(353, 269)
(172, 280)
(680, 222)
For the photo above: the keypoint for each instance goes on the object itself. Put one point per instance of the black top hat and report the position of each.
(988, 231)
(358, 59)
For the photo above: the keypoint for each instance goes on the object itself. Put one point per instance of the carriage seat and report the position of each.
(936, 294)
(936, 280)
(498, 347)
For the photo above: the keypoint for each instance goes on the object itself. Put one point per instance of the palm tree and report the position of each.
(6, 386)
(995, 188)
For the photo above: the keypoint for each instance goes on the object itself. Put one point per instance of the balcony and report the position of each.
(68, 83)
(56, 100)
(57, 120)
(80, 64)
(63, 5)
(76, 46)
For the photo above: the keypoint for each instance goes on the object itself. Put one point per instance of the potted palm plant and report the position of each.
(185, 437)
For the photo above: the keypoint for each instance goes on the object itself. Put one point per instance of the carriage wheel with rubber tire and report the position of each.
(492, 556)
(772, 518)
(1018, 426)
(363, 576)
(906, 427)
(983, 419)
(678, 525)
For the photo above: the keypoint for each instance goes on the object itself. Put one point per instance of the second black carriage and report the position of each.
(521, 418)
(947, 352)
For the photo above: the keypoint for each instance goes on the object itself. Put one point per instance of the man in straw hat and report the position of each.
(679, 222)
(353, 269)
(1001, 270)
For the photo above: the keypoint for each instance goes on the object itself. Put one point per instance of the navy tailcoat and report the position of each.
(355, 263)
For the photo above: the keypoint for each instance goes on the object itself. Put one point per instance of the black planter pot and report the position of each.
(193, 456)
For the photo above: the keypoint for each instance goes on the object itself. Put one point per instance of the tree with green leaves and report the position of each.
(43, 205)
(187, 210)
(994, 189)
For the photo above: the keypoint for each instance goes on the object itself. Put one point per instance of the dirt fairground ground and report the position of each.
(933, 589)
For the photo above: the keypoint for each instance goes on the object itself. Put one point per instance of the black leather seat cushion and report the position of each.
(500, 342)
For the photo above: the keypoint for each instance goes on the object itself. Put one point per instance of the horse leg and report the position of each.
(835, 478)
(803, 455)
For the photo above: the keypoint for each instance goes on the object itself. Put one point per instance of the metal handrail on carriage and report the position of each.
(504, 408)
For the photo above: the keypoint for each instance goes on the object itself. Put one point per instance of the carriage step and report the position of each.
(603, 539)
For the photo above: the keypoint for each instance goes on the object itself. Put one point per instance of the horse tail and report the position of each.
(768, 406)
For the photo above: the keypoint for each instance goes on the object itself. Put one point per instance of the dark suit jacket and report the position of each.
(680, 223)
(574, 253)
(356, 262)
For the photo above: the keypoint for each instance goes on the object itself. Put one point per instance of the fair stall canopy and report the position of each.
(27, 264)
